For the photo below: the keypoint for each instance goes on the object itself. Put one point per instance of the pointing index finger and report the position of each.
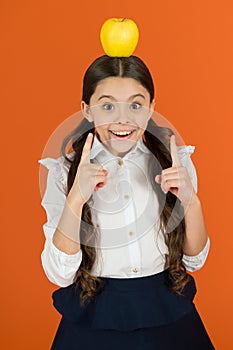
(85, 158)
(174, 152)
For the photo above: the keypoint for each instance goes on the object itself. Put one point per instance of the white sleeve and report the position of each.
(59, 267)
(185, 153)
(192, 263)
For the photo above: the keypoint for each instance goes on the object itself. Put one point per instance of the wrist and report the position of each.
(193, 202)
(76, 204)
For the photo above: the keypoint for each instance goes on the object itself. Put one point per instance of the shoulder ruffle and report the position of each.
(185, 153)
(58, 166)
(188, 149)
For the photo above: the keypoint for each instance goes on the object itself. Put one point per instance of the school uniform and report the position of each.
(135, 309)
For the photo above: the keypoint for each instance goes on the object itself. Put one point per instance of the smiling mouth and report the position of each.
(122, 134)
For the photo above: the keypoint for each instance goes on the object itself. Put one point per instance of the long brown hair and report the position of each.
(156, 139)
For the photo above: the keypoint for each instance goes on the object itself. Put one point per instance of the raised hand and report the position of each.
(89, 177)
(176, 179)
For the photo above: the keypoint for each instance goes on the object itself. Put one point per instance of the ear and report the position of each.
(86, 111)
(152, 106)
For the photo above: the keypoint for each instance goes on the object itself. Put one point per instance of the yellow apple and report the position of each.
(119, 37)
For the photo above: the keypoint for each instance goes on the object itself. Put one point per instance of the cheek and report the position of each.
(102, 127)
(101, 122)
(141, 123)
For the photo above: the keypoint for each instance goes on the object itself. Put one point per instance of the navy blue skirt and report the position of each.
(139, 313)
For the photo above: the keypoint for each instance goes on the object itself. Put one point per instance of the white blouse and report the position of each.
(126, 210)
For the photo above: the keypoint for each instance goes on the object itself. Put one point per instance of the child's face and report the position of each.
(119, 105)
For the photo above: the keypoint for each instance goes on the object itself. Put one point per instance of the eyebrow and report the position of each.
(113, 98)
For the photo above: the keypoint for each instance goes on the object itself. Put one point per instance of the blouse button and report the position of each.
(131, 233)
(126, 196)
(135, 270)
(120, 162)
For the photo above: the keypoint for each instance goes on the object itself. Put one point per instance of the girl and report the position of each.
(124, 222)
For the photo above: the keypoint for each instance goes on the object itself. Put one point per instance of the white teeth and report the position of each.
(121, 133)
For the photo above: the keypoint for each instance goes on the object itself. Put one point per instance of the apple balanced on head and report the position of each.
(119, 37)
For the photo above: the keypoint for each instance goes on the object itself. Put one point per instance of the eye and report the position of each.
(135, 106)
(108, 106)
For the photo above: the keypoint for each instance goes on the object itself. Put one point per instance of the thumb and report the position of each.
(158, 179)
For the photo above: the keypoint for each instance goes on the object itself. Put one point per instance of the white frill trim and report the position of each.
(59, 167)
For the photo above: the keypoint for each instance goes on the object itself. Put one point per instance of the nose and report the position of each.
(122, 113)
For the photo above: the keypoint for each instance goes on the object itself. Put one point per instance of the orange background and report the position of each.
(46, 47)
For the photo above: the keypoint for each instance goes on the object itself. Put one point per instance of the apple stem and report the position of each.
(123, 19)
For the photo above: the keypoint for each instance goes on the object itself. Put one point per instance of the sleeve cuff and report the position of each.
(68, 260)
(193, 263)
(59, 267)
